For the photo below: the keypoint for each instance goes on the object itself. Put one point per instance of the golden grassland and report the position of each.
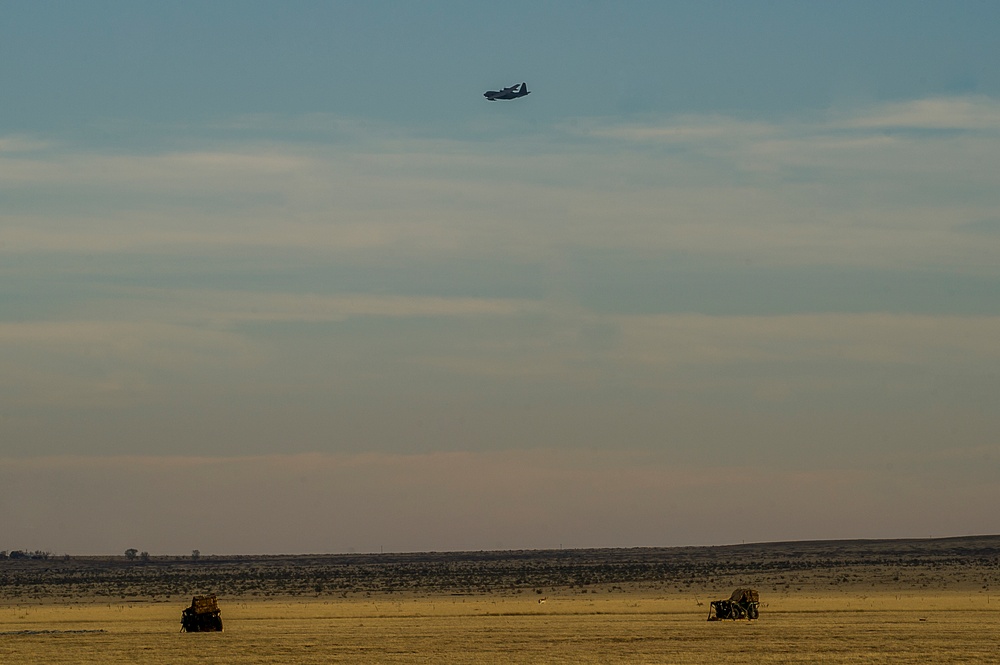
(843, 626)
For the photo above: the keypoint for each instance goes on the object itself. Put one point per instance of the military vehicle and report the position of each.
(513, 92)
(743, 604)
(203, 616)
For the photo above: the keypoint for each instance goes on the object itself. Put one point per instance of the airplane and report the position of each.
(513, 92)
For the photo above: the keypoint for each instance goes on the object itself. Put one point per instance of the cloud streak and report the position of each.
(837, 189)
(974, 114)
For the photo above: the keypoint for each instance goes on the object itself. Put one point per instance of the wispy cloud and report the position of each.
(190, 170)
(837, 189)
(156, 336)
(978, 114)
(71, 364)
(867, 338)
(234, 307)
(683, 129)
(974, 114)
(22, 144)
(987, 226)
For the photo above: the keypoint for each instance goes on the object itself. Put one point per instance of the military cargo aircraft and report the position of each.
(513, 92)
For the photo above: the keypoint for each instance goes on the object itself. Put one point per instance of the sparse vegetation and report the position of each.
(961, 563)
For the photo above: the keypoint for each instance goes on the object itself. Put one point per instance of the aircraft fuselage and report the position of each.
(513, 92)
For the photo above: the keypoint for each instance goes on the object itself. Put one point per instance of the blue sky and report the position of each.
(77, 67)
(289, 250)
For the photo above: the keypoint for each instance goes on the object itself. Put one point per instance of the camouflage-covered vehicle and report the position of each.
(743, 604)
(204, 615)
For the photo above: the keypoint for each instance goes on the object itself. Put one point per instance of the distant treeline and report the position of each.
(24, 554)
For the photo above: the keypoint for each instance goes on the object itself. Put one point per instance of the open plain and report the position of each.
(912, 601)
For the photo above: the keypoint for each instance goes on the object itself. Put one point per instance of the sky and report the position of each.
(276, 278)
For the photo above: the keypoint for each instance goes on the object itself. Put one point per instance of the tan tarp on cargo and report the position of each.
(204, 604)
(744, 596)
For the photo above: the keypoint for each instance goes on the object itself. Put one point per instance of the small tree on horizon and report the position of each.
(195, 554)
(130, 553)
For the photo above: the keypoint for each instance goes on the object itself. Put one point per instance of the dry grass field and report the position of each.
(862, 602)
(948, 627)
